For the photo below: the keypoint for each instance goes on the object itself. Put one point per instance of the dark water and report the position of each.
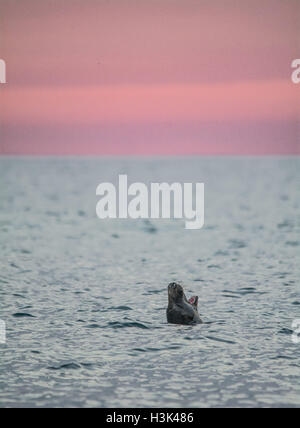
(84, 300)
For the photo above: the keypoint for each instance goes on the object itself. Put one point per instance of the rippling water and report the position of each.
(84, 300)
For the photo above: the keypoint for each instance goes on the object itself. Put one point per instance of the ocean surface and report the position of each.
(84, 300)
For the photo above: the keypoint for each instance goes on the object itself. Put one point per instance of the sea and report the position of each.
(83, 300)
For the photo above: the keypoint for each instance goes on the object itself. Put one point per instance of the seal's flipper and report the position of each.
(194, 301)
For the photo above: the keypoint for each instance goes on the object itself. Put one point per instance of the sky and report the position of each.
(149, 77)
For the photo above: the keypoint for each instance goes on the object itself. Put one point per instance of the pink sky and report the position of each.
(149, 77)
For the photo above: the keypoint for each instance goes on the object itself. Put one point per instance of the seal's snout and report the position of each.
(172, 286)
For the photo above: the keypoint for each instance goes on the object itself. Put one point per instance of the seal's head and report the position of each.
(175, 292)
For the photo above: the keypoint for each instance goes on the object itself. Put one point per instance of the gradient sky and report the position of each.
(149, 77)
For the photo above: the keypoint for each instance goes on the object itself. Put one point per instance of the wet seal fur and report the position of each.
(180, 310)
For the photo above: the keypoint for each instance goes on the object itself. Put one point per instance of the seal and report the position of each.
(180, 310)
